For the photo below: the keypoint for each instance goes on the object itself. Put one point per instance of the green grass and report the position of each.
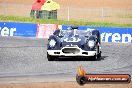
(61, 22)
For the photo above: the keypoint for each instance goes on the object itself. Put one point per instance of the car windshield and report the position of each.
(74, 32)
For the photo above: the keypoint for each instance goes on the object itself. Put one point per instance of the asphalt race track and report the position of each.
(26, 57)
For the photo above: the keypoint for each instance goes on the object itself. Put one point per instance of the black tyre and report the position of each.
(50, 58)
(98, 56)
(81, 80)
(95, 57)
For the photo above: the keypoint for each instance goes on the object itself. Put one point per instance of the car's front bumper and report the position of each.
(80, 53)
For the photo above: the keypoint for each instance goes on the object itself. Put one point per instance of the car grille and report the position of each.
(70, 50)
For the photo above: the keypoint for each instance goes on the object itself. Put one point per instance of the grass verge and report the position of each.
(61, 22)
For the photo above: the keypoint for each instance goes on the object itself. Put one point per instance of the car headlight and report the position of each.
(91, 43)
(52, 43)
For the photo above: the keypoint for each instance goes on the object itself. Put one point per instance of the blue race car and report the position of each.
(74, 43)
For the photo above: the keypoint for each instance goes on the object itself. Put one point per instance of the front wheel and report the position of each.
(95, 57)
(98, 55)
(50, 58)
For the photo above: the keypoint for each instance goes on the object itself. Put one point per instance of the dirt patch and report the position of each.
(83, 3)
(97, 3)
(115, 11)
(64, 85)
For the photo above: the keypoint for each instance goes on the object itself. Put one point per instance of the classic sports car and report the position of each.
(73, 43)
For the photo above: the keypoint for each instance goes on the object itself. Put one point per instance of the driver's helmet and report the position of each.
(70, 31)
